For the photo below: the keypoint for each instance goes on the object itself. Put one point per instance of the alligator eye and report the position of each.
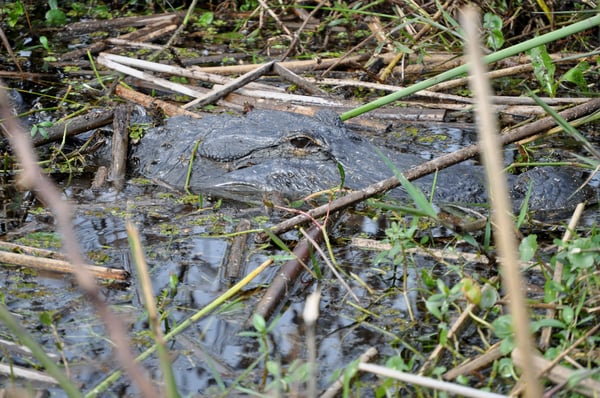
(302, 142)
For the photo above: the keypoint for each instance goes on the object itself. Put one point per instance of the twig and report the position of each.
(334, 389)
(149, 102)
(9, 346)
(120, 141)
(285, 279)
(9, 50)
(233, 85)
(458, 326)
(265, 6)
(54, 265)
(74, 126)
(235, 259)
(558, 270)
(297, 80)
(501, 209)
(479, 362)
(109, 60)
(330, 265)
(427, 382)
(24, 373)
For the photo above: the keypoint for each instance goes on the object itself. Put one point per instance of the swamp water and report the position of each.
(181, 240)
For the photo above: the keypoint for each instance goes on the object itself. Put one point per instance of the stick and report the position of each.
(235, 259)
(149, 102)
(53, 265)
(423, 169)
(77, 125)
(283, 282)
(491, 148)
(233, 85)
(120, 140)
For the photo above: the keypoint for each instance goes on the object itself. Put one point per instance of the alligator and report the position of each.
(293, 155)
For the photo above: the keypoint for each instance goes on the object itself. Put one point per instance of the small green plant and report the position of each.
(389, 386)
(544, 71)
(205, 20)
(163, 301)
(249, 5)
(13, 12)
(492, 26)
(41, 129)
(281, 380)
(55, 16)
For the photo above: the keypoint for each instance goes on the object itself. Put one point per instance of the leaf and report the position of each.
(528, 247)
(342, 174)
(44, 42)
(471, 290)
(56, 17)
(415, 193)
(568, 314)
(206, 19)
(259, 323)
(489, 297)
(575, 76)
(543, 69)
(427, 278)
(502, 327)
(46, 318)
(493, 24)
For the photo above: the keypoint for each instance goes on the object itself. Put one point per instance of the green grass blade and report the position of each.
(572, 131)
(415, 193)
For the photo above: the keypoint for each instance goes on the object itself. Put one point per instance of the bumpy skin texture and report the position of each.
(242, 158)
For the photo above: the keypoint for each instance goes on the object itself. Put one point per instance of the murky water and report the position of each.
(183, 241)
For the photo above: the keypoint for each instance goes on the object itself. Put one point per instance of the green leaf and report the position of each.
(259, 323)
(342, 174)
(206, 19)
(44, 42)
(543, 69)
(46, 318)
(471, 290)
(493, 24)
(544, 323)
(273, 368)
(505, 368)
(415, 193)
(56, 17)
(503, 327)
(568, 314)
(14, 13)
(528, 247)
(575, 76)
(349, 373)
(427, 278)
(489, 297)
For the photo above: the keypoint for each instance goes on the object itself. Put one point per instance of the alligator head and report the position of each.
(242, 158)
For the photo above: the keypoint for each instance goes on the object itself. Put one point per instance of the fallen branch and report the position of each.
(431, 166)
(150, 102)
(284, 281)
(62, 266)
(91, 120)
